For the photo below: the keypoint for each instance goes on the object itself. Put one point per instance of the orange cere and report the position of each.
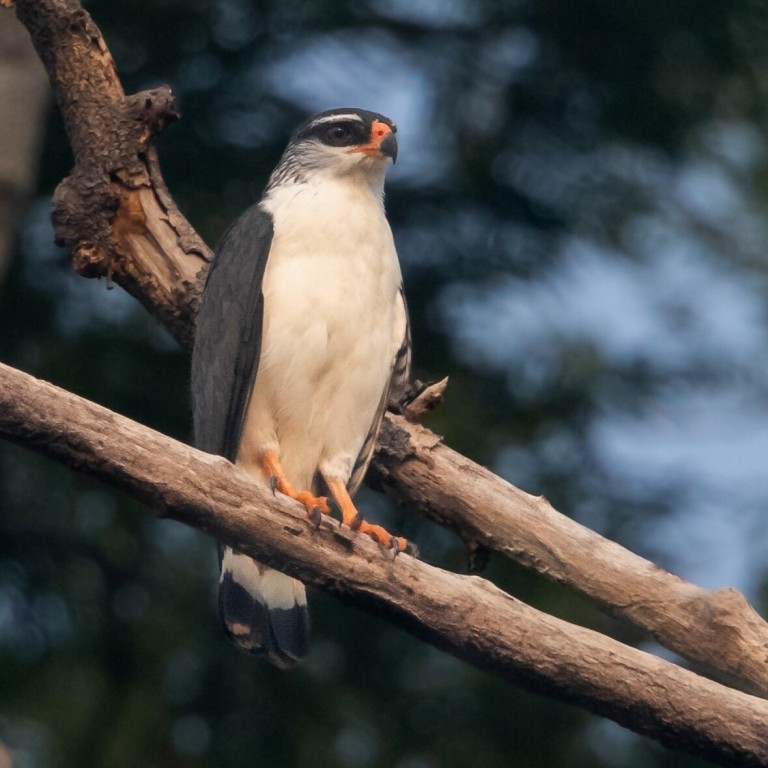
(379, 131)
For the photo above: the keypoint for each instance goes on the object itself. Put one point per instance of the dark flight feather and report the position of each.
(228, 336)
(225, 361)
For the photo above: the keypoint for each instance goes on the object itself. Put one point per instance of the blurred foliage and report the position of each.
(580, 212)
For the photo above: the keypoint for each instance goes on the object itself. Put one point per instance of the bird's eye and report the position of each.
(337, 135)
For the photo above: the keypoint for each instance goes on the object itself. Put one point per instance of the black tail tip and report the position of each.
(281, 635)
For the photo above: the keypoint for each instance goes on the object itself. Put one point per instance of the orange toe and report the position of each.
(315, 505)
(339, 502)
(354, 520)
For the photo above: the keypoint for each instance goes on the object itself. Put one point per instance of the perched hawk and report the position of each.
(302, 339)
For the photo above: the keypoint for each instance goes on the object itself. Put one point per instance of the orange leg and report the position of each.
(351, 517)
(315, 505)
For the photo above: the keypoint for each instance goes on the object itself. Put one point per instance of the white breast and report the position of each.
(330, 291)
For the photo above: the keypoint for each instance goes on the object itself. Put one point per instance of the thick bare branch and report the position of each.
(114, 210)
(464, 615)
(717, 629)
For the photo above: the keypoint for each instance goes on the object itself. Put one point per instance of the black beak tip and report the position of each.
(388, 147)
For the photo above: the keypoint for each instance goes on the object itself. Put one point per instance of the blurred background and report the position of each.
(581, 211)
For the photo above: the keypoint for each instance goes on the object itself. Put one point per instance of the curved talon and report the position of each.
(354, 519)
(316, 516)
(334, 509)
(273, 484)
(411, 549)
(401, 544)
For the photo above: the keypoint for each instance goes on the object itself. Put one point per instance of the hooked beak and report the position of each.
(388, 147)
(382, 143)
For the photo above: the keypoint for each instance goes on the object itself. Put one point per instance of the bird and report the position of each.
(302, 341)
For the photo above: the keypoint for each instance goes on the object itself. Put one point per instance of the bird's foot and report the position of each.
(316, 506)
(354, 519)
(339, 505)
(387, 540)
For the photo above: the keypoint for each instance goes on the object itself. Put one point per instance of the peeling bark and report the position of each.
(116, 214)
(114, 210)
(463, 615)
(716, 629)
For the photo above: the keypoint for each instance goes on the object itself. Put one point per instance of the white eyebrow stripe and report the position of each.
(335, 118)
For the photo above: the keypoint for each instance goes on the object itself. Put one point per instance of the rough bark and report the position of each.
(116, 214)
(717, 629)
(114, 209)
(464, 615)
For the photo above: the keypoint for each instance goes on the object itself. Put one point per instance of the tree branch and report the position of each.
(116, 214)
(114, 209)
(463, 615)
(717, 630)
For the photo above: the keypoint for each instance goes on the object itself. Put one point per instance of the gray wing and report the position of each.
(225, 359)
(227, 346)
(395, 389)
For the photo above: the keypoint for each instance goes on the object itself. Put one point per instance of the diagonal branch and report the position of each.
(114, 209)
(116, 213)
(717, 630)
(463, 615)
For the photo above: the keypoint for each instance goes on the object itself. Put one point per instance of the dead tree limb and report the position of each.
(463, 615)
(716, 629)
(114, 210)
(116, 214)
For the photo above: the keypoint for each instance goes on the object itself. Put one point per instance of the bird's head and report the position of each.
(339, 142)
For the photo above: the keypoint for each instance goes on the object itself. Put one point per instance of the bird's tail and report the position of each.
(263, 611)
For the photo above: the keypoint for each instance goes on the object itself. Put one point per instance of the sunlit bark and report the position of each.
(120, 221)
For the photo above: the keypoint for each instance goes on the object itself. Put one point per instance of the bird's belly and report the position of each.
(325, 360)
